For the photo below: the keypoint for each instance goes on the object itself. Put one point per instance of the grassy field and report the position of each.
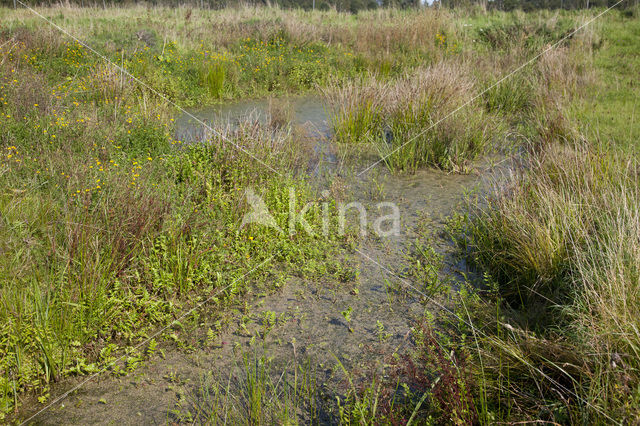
(111, 227)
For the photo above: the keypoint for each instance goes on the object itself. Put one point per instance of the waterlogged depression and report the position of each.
(308, 114)
(308, 111)
(430, 192)
(361, 324)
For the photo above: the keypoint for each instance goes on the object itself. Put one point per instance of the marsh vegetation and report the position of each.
(114, 222)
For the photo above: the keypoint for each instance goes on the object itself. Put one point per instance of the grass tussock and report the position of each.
(255, 392)
(522, 31)
(559, 240)
(214, 80)
(280, 114)
(409, 120)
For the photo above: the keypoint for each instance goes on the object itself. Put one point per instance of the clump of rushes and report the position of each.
(214, 79)
(255, 391)
(408, 119)
(515, 95)
(560, 240)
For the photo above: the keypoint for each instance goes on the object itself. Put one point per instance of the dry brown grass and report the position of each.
(564, 73)
(445, 86)
(373, 33)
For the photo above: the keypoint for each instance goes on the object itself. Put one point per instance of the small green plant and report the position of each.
(381, 332)
(425, 264)
(214, 79)
(346, 314)
(211, 336)
(269, 320)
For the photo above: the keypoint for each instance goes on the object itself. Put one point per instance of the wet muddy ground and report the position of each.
(302, 322)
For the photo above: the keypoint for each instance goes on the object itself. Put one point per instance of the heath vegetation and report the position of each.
(111, 226)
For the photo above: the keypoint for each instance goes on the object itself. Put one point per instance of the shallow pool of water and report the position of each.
(308, 112)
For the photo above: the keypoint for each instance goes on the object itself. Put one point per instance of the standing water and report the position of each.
(307, 111)
(313, 325)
